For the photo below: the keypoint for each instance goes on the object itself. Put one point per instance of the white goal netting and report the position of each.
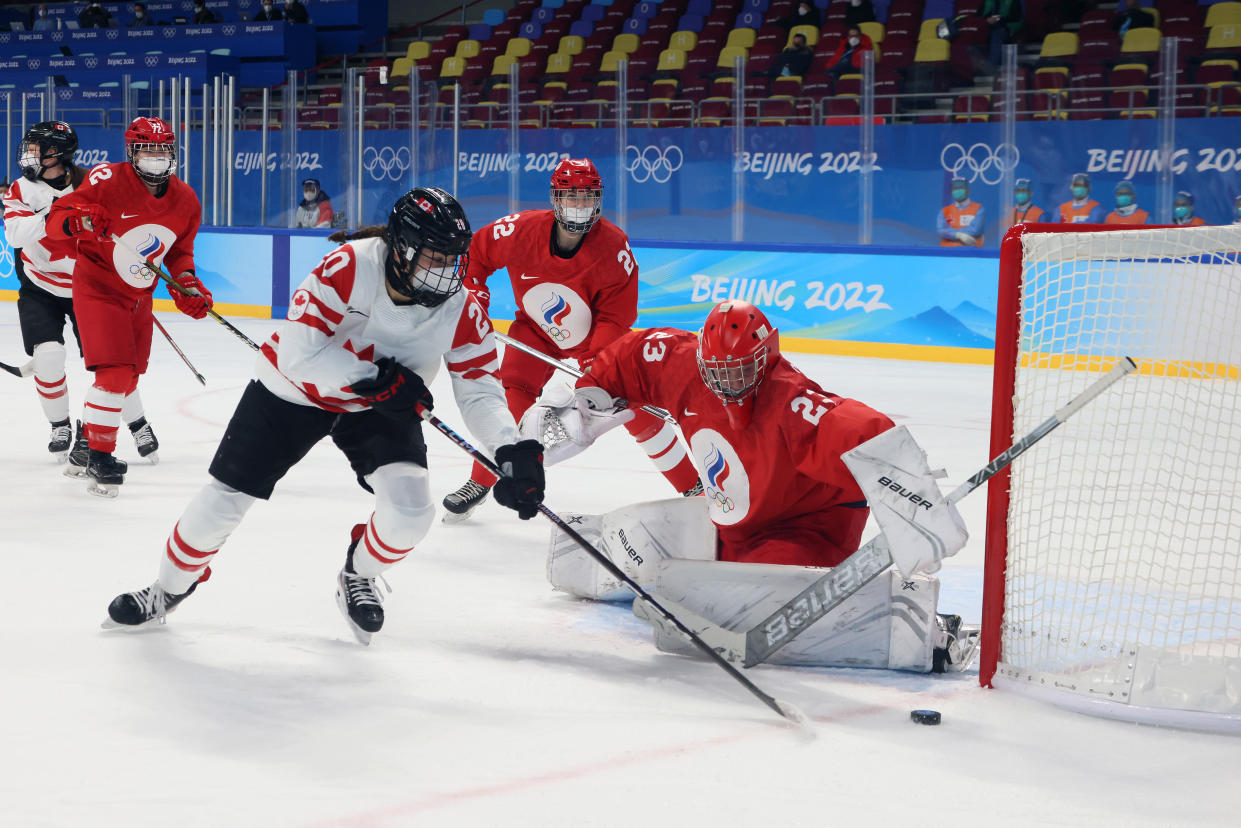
(1123, 576)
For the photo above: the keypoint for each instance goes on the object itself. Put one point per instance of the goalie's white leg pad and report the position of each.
(913, 630)
(921, 527)
(571, 569)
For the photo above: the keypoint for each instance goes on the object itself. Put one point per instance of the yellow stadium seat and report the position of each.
(401, 67)
(1223, 14)
(1231, 64)
(418, 50)
(875, 31)
(1059, 44)
(811, 33)
(518, 47)
(467, 49)
(930, 29)
(502, 63)
(452, 67)
(671, 60)
(1145, 39)
(625, 42)
(727, 56)
(931, 51)
(571, 45)
(742, 37)
(558, 64)
(610, 59)
(685, 41)
(1224, 36)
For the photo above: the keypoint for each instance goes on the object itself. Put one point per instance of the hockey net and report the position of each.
(1113, 570)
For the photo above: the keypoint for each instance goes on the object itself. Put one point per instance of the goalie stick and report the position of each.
(23, 370)
(783, 708)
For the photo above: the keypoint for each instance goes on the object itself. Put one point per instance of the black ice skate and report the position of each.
(105, 472)
(144, 439)
(79, 457)
(133, 609)
(959, 645)
(61, 440)
(462, 503)
(359, 601)
(694, 490)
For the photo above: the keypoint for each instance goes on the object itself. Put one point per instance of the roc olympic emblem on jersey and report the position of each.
(726, 484)
(151, 243)
(559, 312)
(717, 473)
(555, 310)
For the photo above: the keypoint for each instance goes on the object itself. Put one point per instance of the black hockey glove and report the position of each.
(396, 392)
(520, 488)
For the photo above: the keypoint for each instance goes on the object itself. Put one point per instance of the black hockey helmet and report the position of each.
(427, 219)
(55, 139)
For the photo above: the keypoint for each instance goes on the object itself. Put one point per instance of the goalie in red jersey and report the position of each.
(576, 285)
(791, 473)
(155, 215)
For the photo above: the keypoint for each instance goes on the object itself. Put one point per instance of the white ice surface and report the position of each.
(487, 699)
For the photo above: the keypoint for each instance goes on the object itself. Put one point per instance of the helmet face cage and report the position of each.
(577, 210)
(153, 136)
(429, 286)
(51, 139)
(426, 225)
(733, 379)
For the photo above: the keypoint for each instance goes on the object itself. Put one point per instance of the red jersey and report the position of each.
(783, 471)
(578, 304)
(162, 229)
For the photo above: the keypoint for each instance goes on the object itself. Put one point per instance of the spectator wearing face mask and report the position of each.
(295, 12)
(1127, 210)
(315, 210)
(859, 11)
(805, 15)
(848, 55)
(1081, 209)
(960, 222)
(141, 18)
(202, 14)
(268, 13)
(1183, 210)
(43, 22)
(1025, 211)
(94, 16)
(795, 60)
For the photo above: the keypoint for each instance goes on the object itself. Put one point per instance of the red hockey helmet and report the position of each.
(735, 348)
(577, 194)
(153, 137)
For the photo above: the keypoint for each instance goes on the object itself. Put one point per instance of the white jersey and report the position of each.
(341, 320)
(47, 264)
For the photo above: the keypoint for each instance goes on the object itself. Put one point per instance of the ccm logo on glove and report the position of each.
(396, 391)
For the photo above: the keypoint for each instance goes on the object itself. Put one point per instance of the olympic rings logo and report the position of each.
(722, 501)
(6, 261)
(386, 163)
(141, 272)
(653, 163)
(980, 161)
(152, 61)
(33, 64)
(556, 333)
(91, 62)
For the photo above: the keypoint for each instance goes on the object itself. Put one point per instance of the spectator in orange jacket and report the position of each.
(961, 222)
(1183, 210)
(1024, 211)
(1081, 209)
(848, 55)
(1127, 210)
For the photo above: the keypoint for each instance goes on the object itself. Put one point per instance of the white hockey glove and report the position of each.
(567, 420)
(921, 528)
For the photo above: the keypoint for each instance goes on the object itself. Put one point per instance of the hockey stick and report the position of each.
(873, 557)
(573, 372)
(180, 353)
(161, 273)
(785, 709)
(23, 370)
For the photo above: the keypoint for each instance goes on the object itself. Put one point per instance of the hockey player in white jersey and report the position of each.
(365, 332)
(45, 287)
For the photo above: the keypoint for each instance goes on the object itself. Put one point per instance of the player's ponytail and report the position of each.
(369, 232)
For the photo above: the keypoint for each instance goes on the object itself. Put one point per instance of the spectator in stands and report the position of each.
(202, 14)
(961, 223)
(795, 60)
(268, 13)
(94, 16)
(141, 18)
(806, 15)
(1183, 210)
(4, 192)
(1004, 19)
(1236, 210)
(1082, 209)
(848, 55)
(1025, 211)
(315, 209)
(1127, 210)
(295, 12)
(43, 22)
(1130, 15)
(859, 11)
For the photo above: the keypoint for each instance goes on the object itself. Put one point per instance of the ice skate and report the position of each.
(135, 609)
(145, 440)
(462, 503)
(359, 601)
(105, 473)
(694, 490)
(61, 440)
(79, 457)
(959, 645)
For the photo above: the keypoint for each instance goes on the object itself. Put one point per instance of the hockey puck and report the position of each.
(926, 717)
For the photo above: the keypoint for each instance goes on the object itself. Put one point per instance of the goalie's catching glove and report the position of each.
(396, 392)
(520, 487)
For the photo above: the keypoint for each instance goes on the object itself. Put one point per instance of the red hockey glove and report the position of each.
(521, 486)
(397, 392)
(91, 220)
(195, 305)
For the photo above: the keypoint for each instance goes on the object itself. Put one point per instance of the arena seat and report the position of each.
(1223, 14)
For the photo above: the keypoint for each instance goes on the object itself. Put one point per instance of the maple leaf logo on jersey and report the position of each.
(555, 310)
(298, 304)
(717, 473)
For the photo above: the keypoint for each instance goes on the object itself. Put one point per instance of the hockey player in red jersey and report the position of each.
(365, 332)
(155, 214)
(576, 285)
(45, 284)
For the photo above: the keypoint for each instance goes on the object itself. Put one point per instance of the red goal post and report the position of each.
(1113, 550)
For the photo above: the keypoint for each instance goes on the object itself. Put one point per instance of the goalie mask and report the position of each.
(429, 236)
(577, 194)
(48, 140)
(736, 347)
(151, 149)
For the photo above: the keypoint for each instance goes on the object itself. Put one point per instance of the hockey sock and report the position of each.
(50, 381)
(204, 526)
(131, 409)
(403, 516)
(659, 440)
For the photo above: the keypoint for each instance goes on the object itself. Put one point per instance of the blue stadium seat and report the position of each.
(699, 7)
(635, 25)
(690, 23)
(543, 15)
(480, 31)
(645, 11)
(600, 2)
(592, 14)
(493, 17)
(750, 19)
(531, 30)
(553, 4)
(755, 5)
(582, 28)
